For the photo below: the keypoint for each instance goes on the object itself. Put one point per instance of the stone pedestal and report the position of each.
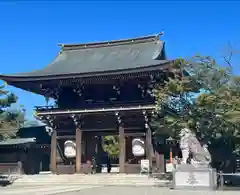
(187, 176)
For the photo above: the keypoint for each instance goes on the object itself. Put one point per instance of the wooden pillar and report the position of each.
(78, 150)
(149, 146)
(160, 161)
(122, 153)
(53, 160)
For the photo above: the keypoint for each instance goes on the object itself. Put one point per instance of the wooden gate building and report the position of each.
(101, 88)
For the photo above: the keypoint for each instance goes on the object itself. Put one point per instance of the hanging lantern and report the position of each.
(70, 149)
(138, 147)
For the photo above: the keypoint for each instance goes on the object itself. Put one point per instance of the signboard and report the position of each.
(145, 166)
(169, 167)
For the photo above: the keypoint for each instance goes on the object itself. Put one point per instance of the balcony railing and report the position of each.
(95, 105)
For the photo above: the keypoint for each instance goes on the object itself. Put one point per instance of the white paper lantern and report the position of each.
(138, 147)
(70, 149)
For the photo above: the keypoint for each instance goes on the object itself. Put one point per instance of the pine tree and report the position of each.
(111, 146)
(10, 120)
(206, 100)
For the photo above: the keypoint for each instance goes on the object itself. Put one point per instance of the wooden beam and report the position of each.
(66, 137)
(122, 153)
(134, 134)
(53, 165)
(78, 150)
(103, 133)
(66, 130)
(112, 129)
(94, 111)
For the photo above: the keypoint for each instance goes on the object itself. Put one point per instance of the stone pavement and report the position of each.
(101, 184)
(50, 183)
(42, 190)
(144, 191)
(103, 190)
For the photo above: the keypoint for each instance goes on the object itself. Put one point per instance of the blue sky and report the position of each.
(30, 32)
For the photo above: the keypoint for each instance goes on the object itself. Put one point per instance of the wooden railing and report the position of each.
(94, 105)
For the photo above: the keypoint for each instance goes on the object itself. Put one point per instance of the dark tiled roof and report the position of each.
(17, 141)
(33, 123)
(112, 56)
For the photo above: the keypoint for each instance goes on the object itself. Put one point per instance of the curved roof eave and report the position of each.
(162, 64)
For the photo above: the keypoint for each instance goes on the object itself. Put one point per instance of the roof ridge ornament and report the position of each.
(140, 39)
(160, 33)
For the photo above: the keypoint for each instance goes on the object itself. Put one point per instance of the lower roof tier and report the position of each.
(48, 86)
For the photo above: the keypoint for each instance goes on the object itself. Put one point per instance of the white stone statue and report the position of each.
(70, 149)
(138, 147)
(184, 136)
(189, 144)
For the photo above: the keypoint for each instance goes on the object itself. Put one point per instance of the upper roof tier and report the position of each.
(89, 59)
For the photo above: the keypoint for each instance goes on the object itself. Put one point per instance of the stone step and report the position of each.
(165, 184)
(142, 184)
(85, 179)
(80, 177)
(133, 180)
(88, 181)
(92, 181)
(87, 175)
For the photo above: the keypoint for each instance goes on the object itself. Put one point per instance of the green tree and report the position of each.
(111, 146)
(10, 120)
(202, 96)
